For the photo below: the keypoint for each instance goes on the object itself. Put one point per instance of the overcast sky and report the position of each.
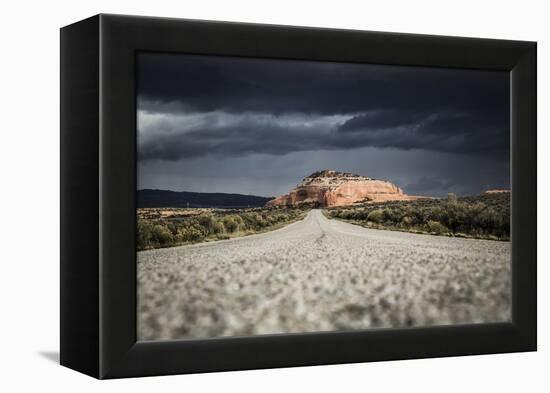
(258, 126)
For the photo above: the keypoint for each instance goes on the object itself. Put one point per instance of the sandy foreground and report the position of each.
(320, 275)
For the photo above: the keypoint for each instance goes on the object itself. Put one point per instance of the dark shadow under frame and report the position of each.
(98, 185)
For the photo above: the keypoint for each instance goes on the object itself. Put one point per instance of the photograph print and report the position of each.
(282, 196)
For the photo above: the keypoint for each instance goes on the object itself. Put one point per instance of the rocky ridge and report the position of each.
(331, 188)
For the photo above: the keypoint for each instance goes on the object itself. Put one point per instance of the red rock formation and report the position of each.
(330, 188)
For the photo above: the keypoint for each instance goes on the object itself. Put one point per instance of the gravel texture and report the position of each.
(320, 275)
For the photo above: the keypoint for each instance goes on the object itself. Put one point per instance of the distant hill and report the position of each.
(331, 188)
(164, 198)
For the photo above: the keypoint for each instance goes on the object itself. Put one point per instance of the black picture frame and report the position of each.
(98, 188)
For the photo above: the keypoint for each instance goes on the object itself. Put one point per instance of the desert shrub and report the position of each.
(452, 198)
(189, 234)
(391, 215)
(161, 234)
(346, 214)
(208, 222)
(406, 221)
(157, 232)
(282, 217)
(362, 214)
(484, 216)
(253, 220)
(144, 230)
(436, 213)
(436, 227)
(488, 219)
(376, 216)
(218, 227)
(231, 223)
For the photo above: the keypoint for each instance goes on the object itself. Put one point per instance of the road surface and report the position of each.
(320, 275)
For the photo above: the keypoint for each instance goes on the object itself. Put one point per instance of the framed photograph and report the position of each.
(239, 196)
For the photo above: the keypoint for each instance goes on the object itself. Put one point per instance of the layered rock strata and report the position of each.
(330, 188)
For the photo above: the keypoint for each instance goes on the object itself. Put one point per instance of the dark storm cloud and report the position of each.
(428, 184)
(467, 132)
(173, 137)
(275, 86)
(194, 107)
(389, 106)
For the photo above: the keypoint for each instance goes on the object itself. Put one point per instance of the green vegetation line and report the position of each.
(481, 217)
(189, 226)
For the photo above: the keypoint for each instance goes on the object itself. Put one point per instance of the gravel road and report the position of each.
(319, 275)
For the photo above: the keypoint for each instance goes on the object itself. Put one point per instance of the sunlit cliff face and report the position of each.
(330, 188)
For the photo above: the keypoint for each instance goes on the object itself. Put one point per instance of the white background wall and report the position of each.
(29, 194)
